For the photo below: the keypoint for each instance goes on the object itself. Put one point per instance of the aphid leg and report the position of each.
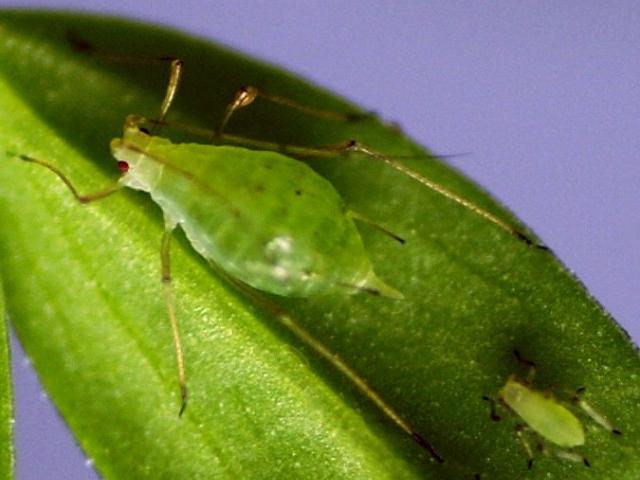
(527, 362)
(494, 414)
(172, 87)
(247, 94)
(354, 146)
(176, 66)
(169, 226)
(595, 415)
(572, 457)
(323, 351)
(520, 428)
(377, 226)
(87, 198)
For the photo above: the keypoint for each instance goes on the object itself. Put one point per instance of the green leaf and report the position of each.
(82, 285)
(6, 410)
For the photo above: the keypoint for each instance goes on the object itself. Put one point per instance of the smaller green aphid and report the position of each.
(545, 415)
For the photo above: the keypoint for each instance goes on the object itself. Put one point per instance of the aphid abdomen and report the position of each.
(265, 218)
(543, 414)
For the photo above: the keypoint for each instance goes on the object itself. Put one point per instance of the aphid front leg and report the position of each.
(86, 198)
(165, 257)
(528, 363)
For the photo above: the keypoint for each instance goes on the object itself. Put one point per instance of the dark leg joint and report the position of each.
(79, 44)
(493, 415)
(420, 440)
(245, 96)
(183, 399)
(359, 116)
(523, 360)
(521, 236)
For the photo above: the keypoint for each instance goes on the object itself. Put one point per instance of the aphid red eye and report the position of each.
(123, 166)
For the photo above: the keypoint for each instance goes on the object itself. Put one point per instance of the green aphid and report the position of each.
(543, 414)
(262, 218)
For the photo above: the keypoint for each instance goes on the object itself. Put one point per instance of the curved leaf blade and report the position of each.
(87, 306)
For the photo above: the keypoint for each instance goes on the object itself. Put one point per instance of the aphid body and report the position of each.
(264, 218)
(543, 414)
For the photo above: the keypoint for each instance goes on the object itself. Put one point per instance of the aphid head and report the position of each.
(138, 169)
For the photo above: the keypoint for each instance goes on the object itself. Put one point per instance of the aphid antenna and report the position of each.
(291, 324)
(300, 151)
(351, 146)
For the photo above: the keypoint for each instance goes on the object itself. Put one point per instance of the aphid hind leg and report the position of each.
(86, 198)
(593, 413)
(357, 147)
(248, 94)
(521, 429)
(572, 457)
(165, 257)
(323, 351)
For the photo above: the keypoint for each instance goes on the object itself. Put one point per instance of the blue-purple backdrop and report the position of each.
(544, 94)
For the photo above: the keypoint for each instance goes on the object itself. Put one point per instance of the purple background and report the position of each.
(544, 94)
